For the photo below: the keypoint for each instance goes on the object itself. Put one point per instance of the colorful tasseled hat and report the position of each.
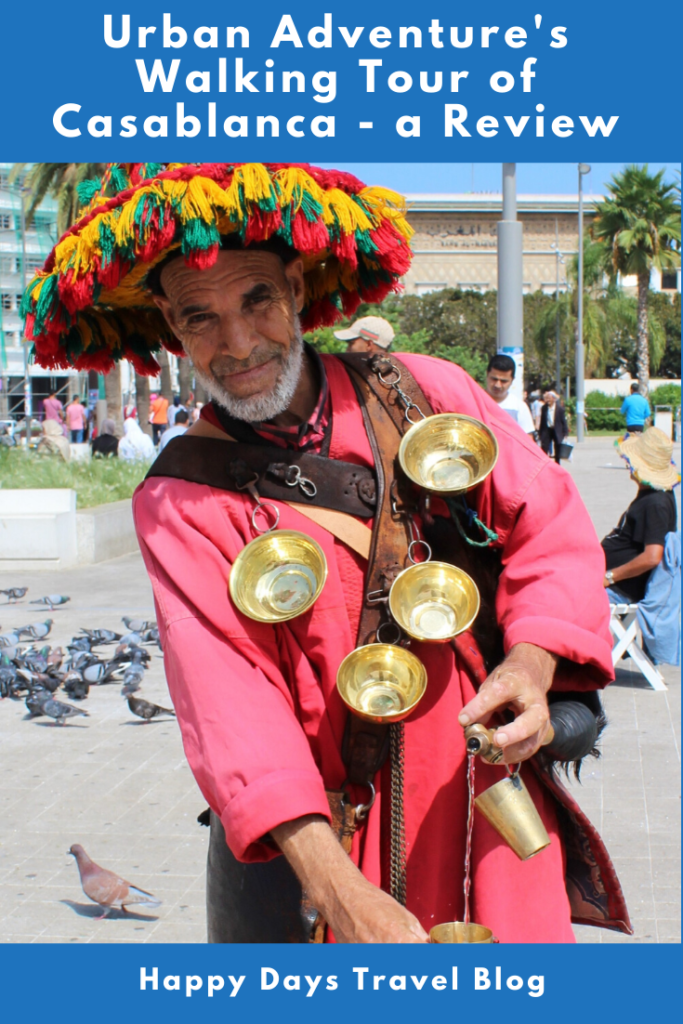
(90, 305)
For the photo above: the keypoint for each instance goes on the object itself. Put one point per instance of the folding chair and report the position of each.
(628, 640)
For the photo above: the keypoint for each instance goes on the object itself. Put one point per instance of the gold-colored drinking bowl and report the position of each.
(381, 682)
(458, 931)
(434, 601)
(448, 453)
(278, 576)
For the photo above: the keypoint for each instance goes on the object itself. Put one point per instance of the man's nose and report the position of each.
(238, 337)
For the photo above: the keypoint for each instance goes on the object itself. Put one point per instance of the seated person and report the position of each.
(106, 443)
(636, 546)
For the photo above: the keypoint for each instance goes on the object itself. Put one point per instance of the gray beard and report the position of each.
(259, 408)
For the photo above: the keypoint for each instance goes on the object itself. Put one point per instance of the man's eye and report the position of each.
(257, 300)
(197, 318)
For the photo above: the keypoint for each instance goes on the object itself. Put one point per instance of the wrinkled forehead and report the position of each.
(233, 274)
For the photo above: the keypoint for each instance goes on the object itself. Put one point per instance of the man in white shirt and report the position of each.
(499, 377)
(179, 428)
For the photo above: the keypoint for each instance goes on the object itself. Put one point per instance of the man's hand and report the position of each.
(521, 683)
(356, 910)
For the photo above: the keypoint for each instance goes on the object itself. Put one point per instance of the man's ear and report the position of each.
(294, 272)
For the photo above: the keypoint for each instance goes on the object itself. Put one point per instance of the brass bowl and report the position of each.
(448, 453)
(457, 931)
(434, 601)
(278, 576)
(381, 682)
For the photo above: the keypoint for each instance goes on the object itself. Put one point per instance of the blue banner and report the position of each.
(337, 82)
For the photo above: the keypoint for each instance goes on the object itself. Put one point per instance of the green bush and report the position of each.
(96, 482)
(605, 419)
(665, 394)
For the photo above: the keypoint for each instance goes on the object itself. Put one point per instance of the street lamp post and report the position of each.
(510, 280)
(580, 371)
(559, 258)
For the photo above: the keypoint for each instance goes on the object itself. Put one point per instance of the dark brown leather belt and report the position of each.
(277, 473)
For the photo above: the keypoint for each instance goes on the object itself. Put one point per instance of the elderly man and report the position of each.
(265, 730)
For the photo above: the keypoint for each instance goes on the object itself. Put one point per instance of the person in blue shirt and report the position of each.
(636, 409)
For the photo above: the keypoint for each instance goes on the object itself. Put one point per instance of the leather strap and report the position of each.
(277, 473)
(366, 744)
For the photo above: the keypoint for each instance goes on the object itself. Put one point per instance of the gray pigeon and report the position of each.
(137, 625)
(98, 672)
(101, 636)
(14, 593)
(51, 601)
(35, 700)
(60, 712)
(75, 686)
(9, 639)
(132, 679)
(37, 630)
(145, 709)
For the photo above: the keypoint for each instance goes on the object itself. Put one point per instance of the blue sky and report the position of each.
(531, 178)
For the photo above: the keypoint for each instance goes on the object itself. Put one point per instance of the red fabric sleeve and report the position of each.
(244, 744)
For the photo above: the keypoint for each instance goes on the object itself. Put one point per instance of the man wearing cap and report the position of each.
(636, 409)
(636, 546)
(368, 335)
(230, 264)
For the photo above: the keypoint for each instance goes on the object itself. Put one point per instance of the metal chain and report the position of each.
(397, 869)
(404, 399)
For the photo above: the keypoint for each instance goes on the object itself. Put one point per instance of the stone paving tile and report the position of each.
(123, 788)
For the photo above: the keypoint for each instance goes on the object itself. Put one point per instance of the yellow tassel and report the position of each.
(339, 207)
(202, 198)
(293, 180)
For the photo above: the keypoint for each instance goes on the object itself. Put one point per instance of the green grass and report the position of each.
(96, 482)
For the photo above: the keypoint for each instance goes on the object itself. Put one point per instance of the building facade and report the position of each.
(455, 242)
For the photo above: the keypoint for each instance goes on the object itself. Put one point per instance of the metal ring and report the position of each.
(361, 810)
(406, 414)
(382, 625)
(422, 543)
(308, 487)
(391, 383)
(262, 505)
(514, 770)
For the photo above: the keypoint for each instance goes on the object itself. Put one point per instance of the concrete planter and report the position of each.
(41, 529)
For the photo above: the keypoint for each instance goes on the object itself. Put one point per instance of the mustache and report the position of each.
(227, 365)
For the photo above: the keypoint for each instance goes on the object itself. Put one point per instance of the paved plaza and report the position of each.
(122, 788)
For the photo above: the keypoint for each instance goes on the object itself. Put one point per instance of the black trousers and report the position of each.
(252, 902)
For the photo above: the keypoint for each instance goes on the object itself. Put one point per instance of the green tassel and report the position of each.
(88, 188)
(49, 295)
(118, 178)
(199, 235)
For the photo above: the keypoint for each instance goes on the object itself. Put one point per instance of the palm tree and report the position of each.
(60, 181)
(640, 221)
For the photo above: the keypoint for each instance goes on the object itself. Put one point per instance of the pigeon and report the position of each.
(101, 636)
(76, 686)
(51, 601)
(131, 653)
(106, 888)
(137, 625)
(132, 679)
(35, 700)
(9, 639)
(145, 709)
(79, 659)
(98, 672)
(36, 631)
(80, 643)
(55, 657)
(132, 638)
(14, 593)
(151, 636)
(59, 711)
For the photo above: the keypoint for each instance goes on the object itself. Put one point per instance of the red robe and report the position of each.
(260, 716)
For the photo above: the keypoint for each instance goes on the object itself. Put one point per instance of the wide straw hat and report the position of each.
(649, 456)
(90, 304)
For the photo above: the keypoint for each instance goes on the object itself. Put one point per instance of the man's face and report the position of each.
(362, 345)
(498, 383)
(237, 321)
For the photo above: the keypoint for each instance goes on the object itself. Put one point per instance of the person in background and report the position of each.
(369, 335)
(106, 443)
(53, 408)
(173, 410)
(500, 374)
(536, 407)
(130, 412)
(553, 428)
(177, 430)
(76, 419)
(158, 408)
(135, 444)
(636, 546)
(636, 409)
(52, 441)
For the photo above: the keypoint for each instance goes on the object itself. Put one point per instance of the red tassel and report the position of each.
(202, 259)
(145, 367)
(393, 251)
(344, 248)
(309, 236)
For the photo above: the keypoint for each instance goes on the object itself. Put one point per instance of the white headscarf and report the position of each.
(135, 444)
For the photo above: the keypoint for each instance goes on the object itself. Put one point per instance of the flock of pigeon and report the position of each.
(38, 673)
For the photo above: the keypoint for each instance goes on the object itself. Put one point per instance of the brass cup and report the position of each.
(434, 601)
(278, 576)
(448, 453)
(509, 808)
(381, 682)
(457, 931)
